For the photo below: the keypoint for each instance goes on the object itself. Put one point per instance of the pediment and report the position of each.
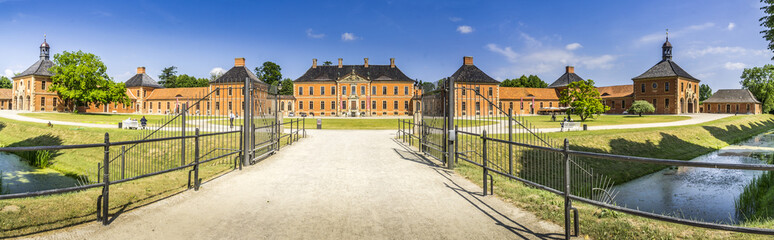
(352, 77)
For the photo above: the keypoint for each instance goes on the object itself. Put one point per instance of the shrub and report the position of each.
(641, 106)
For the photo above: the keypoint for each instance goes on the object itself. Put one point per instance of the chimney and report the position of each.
(467, 60)
(392, 62)
(366, 62)
(570, 69)
(314, 62)
(340, 61)
(140, 70)
(239, 62)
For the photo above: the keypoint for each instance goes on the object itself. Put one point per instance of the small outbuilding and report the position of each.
(732, 101)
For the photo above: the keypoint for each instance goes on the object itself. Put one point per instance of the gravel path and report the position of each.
(336, 184)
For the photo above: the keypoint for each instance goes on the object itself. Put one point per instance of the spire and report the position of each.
(44, 49)
(666, 49)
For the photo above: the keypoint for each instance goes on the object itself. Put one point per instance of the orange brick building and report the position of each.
(732, 101)
(354, 90)
(5, 99)
(667, 86)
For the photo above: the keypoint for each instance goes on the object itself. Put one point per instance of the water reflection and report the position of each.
(19, 177)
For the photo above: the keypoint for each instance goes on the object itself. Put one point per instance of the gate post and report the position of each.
(196, 161)
(510, 139)
(246, 135)
(567, 201)
(485, 159)
(106, 181)
(182, 134)
(450, 125)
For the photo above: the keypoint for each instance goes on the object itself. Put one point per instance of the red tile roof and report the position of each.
(521, 92)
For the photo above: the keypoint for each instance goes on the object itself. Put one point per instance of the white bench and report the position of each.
(570, 126)
(130, 124)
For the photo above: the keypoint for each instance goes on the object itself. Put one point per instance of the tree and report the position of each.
(641, 106)
(531, 82)
(327, 63)
(269, 73)
(287, 87)
(427, 86)
(583, 98)
(440, 83)
(767, 21)
(5, 82)
(81, 78)
(704, 92)
(167, 77)
(760, 82)
(184, 81)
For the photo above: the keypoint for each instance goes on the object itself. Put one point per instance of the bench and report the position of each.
(570, 126)
(130, 124)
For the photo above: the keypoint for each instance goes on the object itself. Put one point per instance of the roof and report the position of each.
(665, 68)
(565, 79)
(184, 93)
(372, 72)
(471, 74)
(40, 68)
(522, 92)
(237, 75)
(616, 91)
(142, 80)
(287, 97)
(732, 96)
(5, 93)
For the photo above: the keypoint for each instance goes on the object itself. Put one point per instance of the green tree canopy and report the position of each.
(169, 79)
(427, 86)
(530, 81)
(287, 87)
(641, 106)
(583, 98)
(704, 92)
(81, 78)
(760, 81)
(269, 73)
(327, 63)
(767, 21)
(5, 82)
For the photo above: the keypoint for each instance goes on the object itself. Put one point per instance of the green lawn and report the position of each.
(99, 118)
(368, 124)
(544, 121)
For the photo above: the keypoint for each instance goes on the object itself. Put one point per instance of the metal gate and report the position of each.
(434, 117)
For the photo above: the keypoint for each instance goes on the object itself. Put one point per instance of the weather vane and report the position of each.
(667, 33)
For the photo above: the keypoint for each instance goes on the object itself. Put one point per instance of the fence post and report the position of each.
(242, 149)
(196, 161)
(450, 123)
(456, 143)
(303, 124)
(245, 124)
(510, 139)
(484, 160)
(567, 201)
(106, 181)
(182, 134)
(123, 160)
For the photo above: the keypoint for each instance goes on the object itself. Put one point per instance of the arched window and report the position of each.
(282, 106)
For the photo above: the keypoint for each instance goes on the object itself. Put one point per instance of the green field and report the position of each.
(99, 118)
(544, 121)
(356, 123)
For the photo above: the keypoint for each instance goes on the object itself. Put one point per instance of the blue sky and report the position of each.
(608, 41)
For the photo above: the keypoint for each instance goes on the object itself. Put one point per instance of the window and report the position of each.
(682, 86)
(612, 104)
(405, 91)
(333, 104)
(282, 106)
(362, 90)
(464, 91)
(666, 87)
(354, 90)
(384, 90)
(56, 102)
(230, 91)
(541, 104)
(217, 106)
(490, 91)
(395, 90)
(642, 88)
(300, 105)
(373, 90)
(300, 91)
(362, 105)
(333, 90)
(373, 104)
(344, 105)
(394, 105)
(230, 108)
(167, 105)
(478, 90)
(159, 105)
(322, 90)
(478, 106)
(290, 106)
(654, 102)
(464, 107)
(522, 106)
(666, 103)
(42, 102)
(689, 86)
(384, 105)
(623, 104)
(343, 90)
(655, 86)
(217, 93)
(43, 86)
(748, 107)
(405, 105)
(550, 104)
(311, 105)
(311, 91)
(138, 93)
(322, 105)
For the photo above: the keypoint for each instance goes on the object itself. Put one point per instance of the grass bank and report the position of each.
(756, 203)
(103, 118)
(544, 121)
(370, 123)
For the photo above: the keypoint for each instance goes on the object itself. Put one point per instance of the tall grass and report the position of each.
(757, 200)
(38, 159)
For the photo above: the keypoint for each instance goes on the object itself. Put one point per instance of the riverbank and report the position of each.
(679, 143)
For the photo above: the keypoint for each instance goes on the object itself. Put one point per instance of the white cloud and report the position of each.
(573, 46)
(530, 41)
(731, 26)
(311, 34)
(738, 51)
(507, 51)
(465, 29)
(348, 36)
(8, 73)
(654, 37)
(455, 19)
(217, 70)
(734, 66)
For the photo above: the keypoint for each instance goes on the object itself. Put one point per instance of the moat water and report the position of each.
(703, 194)
(19, 177)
